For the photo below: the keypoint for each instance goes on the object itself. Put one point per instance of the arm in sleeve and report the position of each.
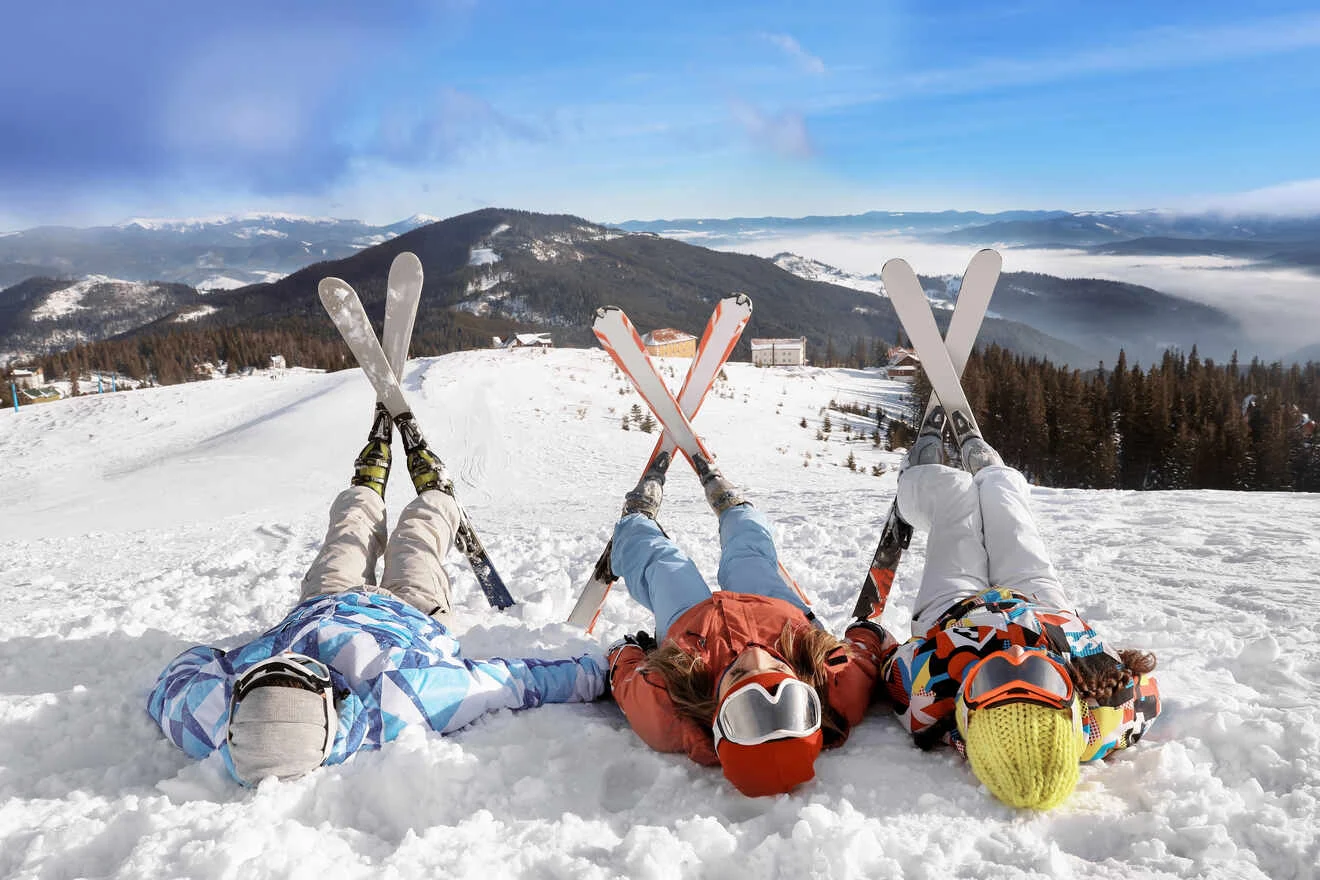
(646, 703)
(1123, 722)
(190, 700)
(450, 696)
(853, 674)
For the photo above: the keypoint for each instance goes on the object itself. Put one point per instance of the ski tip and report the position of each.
(334, 287)
(989, 255)
(406, 261)
(742, 299)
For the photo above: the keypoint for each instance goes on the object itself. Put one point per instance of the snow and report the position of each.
(194, 314)
(152, 520)
(247, 233)
(482, 256)
(68, 300)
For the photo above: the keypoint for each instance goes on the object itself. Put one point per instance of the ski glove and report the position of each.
(874, 639)
(642, 640)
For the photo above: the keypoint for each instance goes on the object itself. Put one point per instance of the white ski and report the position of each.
(402, 294)
(913, 310)
(345, 309)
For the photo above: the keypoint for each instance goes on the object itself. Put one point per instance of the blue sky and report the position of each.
(619, 111)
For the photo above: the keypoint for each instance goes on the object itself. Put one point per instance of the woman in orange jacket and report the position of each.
(744, 678)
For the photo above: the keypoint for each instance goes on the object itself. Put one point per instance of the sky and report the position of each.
(619, 111)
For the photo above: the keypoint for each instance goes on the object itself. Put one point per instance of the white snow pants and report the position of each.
(980, 534)
(413, 554)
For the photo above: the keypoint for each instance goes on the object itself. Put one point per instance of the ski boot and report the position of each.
(977, 454)
(720, 493)
(928, 448)
(424, 466)
(646, 496)
(372, 466)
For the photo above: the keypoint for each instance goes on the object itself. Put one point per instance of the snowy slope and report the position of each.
(137, 524)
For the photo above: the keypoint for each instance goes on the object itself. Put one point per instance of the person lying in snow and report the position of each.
(999, 665)
(742, 678)
(354, 663)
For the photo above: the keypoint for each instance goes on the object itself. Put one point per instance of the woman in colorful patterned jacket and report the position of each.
(999, 665)
(743, 678)
(354, 662)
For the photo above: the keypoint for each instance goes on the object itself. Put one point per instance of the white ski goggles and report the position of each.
(752, 715)
(307, 673)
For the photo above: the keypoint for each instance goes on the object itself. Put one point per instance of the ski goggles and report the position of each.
(751, 715)
(1017, 677)
(292, 670)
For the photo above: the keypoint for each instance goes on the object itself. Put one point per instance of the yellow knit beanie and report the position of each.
(1025, 753)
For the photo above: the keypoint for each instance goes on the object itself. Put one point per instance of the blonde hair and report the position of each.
(692, 685)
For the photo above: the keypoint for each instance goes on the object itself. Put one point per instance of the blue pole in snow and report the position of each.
(99, 389)
(13, 393)
(114, 381)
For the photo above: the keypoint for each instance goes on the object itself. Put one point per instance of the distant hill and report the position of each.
(43, 315)
(224, 252)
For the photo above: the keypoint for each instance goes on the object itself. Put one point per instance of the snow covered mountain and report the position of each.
(42, 315)
(154, 520)
(207, 253)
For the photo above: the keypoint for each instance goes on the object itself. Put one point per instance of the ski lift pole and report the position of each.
(99, 389)
(13, 394)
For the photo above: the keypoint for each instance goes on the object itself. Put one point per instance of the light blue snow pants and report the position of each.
(662, 577)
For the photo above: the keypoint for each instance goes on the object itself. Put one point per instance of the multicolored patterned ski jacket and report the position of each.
(924, 674)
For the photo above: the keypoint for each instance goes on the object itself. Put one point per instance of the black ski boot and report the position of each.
(646, 496)
(720, 493)
(424, 466)
(372, 466)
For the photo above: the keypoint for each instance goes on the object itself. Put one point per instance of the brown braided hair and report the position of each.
(692, 685)
(1099, 677)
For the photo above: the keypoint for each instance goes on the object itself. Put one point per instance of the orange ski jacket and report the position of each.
(718, 629)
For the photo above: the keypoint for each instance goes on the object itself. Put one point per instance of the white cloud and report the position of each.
(1155, 49)
(1297, 198)
(804, 59)
(785, 133)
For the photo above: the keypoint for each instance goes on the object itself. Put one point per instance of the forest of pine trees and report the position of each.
(1184, 423)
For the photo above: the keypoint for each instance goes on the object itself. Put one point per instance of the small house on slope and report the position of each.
(523, 340)
(668, 342)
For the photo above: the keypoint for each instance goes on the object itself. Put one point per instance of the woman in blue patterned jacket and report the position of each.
(355, 662)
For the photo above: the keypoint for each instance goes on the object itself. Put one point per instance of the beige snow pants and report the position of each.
(413, 554)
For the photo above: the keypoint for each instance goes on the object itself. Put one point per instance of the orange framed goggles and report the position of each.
(1021, 676)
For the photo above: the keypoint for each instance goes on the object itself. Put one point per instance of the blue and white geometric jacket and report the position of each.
(392, 666)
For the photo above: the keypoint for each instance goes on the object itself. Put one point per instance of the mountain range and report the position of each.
(493, 271)
(219, 253)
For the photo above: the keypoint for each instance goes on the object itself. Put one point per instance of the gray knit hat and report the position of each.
(280, 731)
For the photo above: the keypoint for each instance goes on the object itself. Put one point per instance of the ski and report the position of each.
(978, 285)
(722, 333)
(402, 294)
(913, 309)
(620, 339)
(345, 309)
